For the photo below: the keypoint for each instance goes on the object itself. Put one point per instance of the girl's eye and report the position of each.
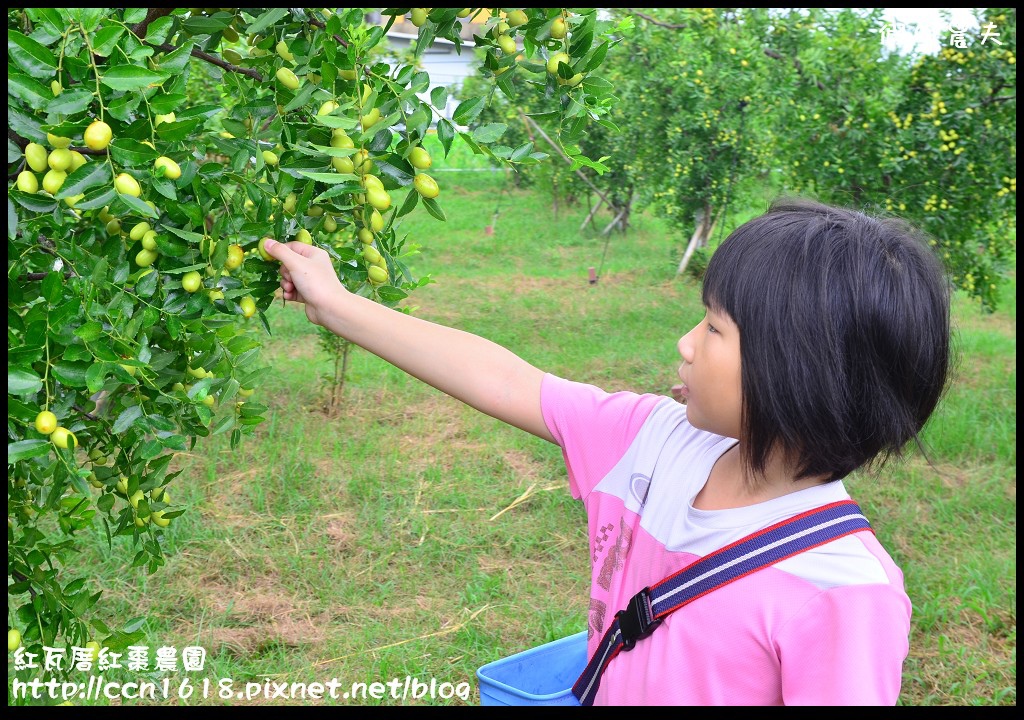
(711, 328)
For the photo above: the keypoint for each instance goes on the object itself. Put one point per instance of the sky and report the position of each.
(932, 29)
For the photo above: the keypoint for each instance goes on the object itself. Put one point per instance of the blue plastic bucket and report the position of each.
(543, 675)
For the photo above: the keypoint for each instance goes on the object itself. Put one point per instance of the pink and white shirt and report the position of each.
(829, 626)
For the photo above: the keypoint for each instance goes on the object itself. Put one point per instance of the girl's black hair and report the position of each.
(844, 334)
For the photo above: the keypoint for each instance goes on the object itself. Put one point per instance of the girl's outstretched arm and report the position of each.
(480, 373)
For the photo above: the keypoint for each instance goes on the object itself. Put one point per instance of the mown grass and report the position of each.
(372, 544)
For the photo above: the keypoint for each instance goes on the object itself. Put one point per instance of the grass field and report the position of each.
(412, 536)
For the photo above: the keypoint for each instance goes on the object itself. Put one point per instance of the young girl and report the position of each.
(824, 348)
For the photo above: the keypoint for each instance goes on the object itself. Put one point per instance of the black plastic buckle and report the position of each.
(637, 621)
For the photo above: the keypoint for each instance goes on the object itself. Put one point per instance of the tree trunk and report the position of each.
(700, 236)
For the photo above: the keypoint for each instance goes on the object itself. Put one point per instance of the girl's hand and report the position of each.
(307, 276)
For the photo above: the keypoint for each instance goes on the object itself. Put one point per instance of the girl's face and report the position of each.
(711, 375)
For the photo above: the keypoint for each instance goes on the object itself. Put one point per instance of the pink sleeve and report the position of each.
(594, 428)
(851, 643)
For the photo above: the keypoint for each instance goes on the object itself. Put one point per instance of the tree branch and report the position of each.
(552, 143)
(316, 23)
(141, 28)
(213, 60)
(659, 23)
(796, 63)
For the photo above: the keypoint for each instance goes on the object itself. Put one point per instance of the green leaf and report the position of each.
(12, 220)
(52, 287)
(445, 133)
(186, 235)
(434, 208)
(522, 152)
(328, 178)
(85, 178)
(176, 61)
(31, 56)
(489, 133)
(166, 103)
(24, 449)
(70, 102)
(266, 20)
(597, 86)
(126, 418)
(410, 202)
(439, 97)
(467, 111)
(96, 375)
(137, 206)
(131, 77)
(28, 90)
(106, 39)
(71, 374)
(21, 381)
(158, 30)
(131, 153)
(96, 199)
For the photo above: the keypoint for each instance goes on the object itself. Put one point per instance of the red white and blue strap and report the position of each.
(773, 544)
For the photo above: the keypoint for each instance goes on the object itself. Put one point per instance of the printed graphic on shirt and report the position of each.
(613, 561)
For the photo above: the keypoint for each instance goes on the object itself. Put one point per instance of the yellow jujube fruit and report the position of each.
(371, 255)
(365, 236)
(57, 142)
(77, 160)
(303, 236)
(139, 230)
(287, 78)
(46, 422)
(113, 227)
(558, 29)
(191, 281)
(554, 60)
(289, 203)
(263, 251)
(426, 186)
(168, 118)
(284, 51)
(376, 221)
(330, 224)
(35, 156)
(127, 185)
(347, 74)
(98, 135)
(28, 182)
(379, 198)
(159, 520)
(145, 257)
(149, 240)
(418, 16)
(63, 438)
(56, 88)
(377, 275)
(370, 118)
(248, 306)
(59, 159)
(343, 164)
(341, 140)
(53, 180)
(420, 158)
(270, 158)
(327, 108)
(235, 257)
(507, 44)
(171, 169)
(372, 181)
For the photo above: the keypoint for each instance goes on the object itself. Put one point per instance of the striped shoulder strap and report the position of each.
(646, 610)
